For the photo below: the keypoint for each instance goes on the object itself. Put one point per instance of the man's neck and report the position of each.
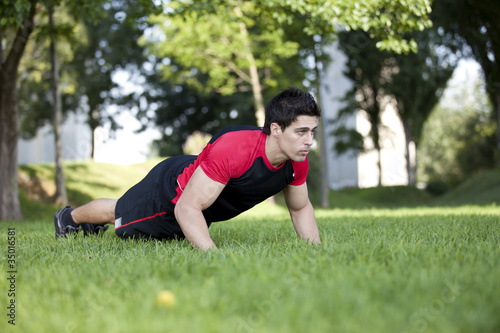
(273, 152)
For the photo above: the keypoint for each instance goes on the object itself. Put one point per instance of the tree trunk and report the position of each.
(415, 164)
(260, 113)
(321, 137)
(410, 167)
(379, 165)
(498, 125)
(375, 134)
(10, 208)
(60, 198)
(325, 189)
(92, 145)
(254, 74)
(93, 124)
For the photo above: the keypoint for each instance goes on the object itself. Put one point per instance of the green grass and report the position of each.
(480, 190)
(413, 269)
(380, 197)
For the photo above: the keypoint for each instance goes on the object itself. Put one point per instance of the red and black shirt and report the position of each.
(235, 157)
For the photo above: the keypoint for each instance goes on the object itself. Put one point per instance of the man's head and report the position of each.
(285, 107)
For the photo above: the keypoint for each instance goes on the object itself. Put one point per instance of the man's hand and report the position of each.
(302, 213)
(199, 194)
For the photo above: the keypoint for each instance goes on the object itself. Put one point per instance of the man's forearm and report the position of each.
(305, 225)
(194, 227)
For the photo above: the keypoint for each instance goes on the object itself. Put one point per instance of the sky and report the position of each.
(127, 147)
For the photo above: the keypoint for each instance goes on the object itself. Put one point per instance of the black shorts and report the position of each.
(139, 213)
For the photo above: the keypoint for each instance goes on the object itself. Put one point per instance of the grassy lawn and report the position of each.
(420, 269)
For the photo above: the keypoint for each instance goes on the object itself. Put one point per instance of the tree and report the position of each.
(227, 39)
(454, 151)
(239, 43)
(415, 81)
(16, 26)
(418, 82)
(97, 46)
(369, 69)
(476, 24)
(109, 45)
(181, 110)
(233, 44)
(60, 196)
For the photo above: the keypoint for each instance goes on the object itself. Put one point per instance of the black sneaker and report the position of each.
(62, 229)
(91, 229)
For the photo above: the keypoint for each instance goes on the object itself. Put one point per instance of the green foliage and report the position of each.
(12, 13)
(348, 140)
(212, 42)
(460, 138)
(209, 38)
(181, 110)
(365, 67)
(90, 48)
(35, 104)
(414, 81)
(419, 78)
(384, 19)
(475, 24)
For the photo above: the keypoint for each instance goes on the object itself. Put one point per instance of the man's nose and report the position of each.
(310, 138)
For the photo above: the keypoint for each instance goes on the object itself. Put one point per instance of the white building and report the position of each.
(76, 139)
(351, 169)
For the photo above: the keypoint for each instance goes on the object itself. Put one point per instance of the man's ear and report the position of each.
(275, 129)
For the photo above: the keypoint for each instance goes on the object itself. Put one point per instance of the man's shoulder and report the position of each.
(237, 130)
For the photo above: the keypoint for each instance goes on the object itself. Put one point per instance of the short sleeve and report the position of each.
(300, 170)
(224, 160)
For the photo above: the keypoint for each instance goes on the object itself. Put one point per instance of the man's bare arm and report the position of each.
(302, 213)
(199, 194)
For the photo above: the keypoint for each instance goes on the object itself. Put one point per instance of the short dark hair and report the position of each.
(285, 107)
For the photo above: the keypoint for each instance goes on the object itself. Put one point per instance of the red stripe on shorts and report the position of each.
(143, 219)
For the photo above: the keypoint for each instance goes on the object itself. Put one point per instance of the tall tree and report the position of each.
(180, 109)
(97, 46)
(476, 23)
(60, 196)
(239, 43)
(110, 45)
(16, 26)
(454, 151)
(233, 44)
(417, 83)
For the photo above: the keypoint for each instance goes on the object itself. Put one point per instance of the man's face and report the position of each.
(296, 140)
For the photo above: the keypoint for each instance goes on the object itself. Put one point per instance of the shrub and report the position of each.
(437, 187)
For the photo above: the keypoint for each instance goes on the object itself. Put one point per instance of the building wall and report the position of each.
(351, 170)
(76, 139)
(342, 169)
(392, 145)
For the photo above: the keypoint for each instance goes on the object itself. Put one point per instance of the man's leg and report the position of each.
(98, 211)
(90, 217)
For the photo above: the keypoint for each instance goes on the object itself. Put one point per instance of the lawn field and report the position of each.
(417, 269)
